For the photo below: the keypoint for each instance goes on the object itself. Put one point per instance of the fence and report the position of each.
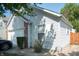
(74, 38)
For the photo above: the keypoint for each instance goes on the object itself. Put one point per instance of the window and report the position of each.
(40, 36)
(41, 28)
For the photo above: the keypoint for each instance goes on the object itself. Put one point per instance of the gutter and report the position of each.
(48, 11)
(66, 21)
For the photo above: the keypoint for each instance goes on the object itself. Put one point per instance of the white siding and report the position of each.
(2, 29)
(49, 20)
(16, 23)
(36, 20)
(50, 35)
(64, 34)
(14, 34)
(56, 35)
(58, 41)
(15, 29)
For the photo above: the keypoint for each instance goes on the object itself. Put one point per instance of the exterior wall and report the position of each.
(51, 29)
(2, 29)
(33, 29)
(58, 38)
(64, 35)
(14, 34)
(55, 31)
(50, 33)
(16, 23)
(15, 29)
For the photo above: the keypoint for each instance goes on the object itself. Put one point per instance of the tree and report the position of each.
(71, 12)
(17, 8)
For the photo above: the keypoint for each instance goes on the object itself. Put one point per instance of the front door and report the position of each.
(26, 33)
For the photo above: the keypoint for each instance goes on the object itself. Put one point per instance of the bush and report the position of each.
(38, 46)
(21, 42)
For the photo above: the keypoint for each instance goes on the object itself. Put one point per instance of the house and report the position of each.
(48, 26)
(3, 22)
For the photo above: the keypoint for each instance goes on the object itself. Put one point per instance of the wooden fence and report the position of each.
(74, 38)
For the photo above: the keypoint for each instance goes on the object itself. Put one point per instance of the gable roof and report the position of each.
(47, 11)
(11, 17)
(55, 14)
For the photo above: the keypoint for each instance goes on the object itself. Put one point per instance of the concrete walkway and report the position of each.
(67, 51)
(24, 52)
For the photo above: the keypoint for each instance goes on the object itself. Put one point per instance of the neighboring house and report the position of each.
(47, 26)
(3, 22)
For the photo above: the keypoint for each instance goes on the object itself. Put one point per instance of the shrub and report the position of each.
(21, 42)
(37, 46)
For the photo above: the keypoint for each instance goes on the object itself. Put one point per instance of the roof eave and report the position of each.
(55, 14)
(66, 21)
(48, 11)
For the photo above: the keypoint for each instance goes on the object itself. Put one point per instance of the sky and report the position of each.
(50, 6)
(53, 6)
